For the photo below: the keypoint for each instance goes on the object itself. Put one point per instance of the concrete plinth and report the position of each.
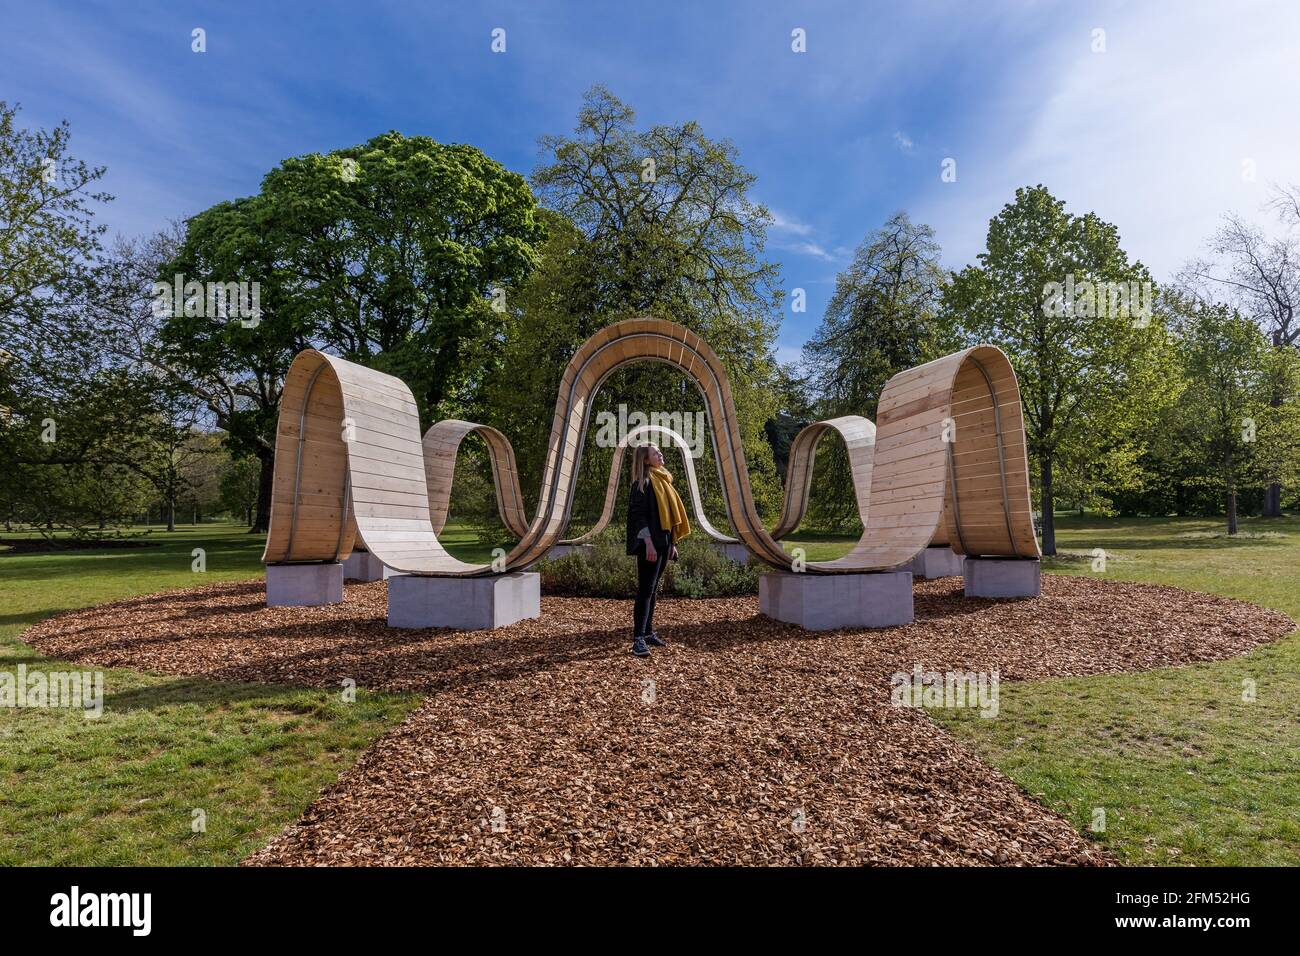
(733, 550)
(822, 602)
(468, 604)
(362, 566)
(1003, 577)
(563, 550)
(303, 585)
(936, 562)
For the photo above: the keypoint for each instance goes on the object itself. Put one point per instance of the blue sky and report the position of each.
(1152, 134)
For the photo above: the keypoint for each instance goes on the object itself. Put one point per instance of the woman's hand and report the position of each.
(651, 554)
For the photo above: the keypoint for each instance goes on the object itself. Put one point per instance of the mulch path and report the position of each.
(746, 741)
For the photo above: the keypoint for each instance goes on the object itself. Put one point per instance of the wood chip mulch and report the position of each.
(746, 741)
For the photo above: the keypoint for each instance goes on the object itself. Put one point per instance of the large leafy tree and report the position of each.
(883, 318)
(1091, 375)
(394, 248)
(1226, 359)
(385, 253)
(235, 366)
(48, 238)
(655, 220)
(1257, 272)
(69, 404)
(49, 244)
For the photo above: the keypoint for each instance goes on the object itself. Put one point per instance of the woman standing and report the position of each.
(656, 521)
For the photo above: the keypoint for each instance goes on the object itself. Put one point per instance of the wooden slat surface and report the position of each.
(361, 432)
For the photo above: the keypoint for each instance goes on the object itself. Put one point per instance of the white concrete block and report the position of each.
(733, 550)
(468, 604)
(362, 566)
(1003, 577)
(822, 602)
(303, 585)
(938, 562)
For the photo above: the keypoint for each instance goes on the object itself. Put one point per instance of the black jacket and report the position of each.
(643, 512)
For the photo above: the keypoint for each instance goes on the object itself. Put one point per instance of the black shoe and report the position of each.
(639, 648)
(654, 640)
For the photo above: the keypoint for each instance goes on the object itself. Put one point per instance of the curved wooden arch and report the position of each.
(441, 444)
(348, 449)
(616, 467)
(859, 436)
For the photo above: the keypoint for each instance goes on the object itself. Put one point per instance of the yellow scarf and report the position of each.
(672, 513)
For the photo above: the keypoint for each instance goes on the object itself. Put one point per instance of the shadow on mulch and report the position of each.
(225, 632)
(745, 741)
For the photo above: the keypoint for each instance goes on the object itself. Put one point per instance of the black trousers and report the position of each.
(648, 574)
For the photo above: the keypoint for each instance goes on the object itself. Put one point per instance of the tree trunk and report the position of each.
(266, 457)
(171, 515)
(1049, 504)
(1273, 493)
(1232, 507)
(1273, 501)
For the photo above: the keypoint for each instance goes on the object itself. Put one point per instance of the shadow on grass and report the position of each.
(207, 693)
(26, 618)
(39, 660)
(1194, 541)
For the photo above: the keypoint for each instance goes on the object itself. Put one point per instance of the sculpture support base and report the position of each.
(467, 604)
(733, 551)
(303, 585)
(823, 602)
(362, 566)
(1003, 577)
(936, 562)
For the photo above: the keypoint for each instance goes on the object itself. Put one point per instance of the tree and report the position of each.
(1059, 295)
(50, 354)
(239, 487)
(883, 318)
(395, 248)
(168, 447)
(643, 221)
(1259, 275)
(48, 240)
(385, 253)
(235, 366)
(1226, 359)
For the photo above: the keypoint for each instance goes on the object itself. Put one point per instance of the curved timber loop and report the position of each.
(616, 468)
(396, 485)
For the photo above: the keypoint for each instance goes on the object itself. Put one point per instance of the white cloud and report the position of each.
(1151, 135)
(782, 223)
(903, 141)
(790, 235)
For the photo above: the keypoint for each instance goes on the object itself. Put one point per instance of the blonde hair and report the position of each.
(641, 464)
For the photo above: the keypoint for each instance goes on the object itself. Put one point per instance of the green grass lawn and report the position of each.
(124, 788)
(1186, 770)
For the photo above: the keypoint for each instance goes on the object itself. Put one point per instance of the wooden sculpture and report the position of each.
(948, 452)
(613, 486)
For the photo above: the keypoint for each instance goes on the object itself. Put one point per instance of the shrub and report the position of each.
(605, 570)
(701, 570)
